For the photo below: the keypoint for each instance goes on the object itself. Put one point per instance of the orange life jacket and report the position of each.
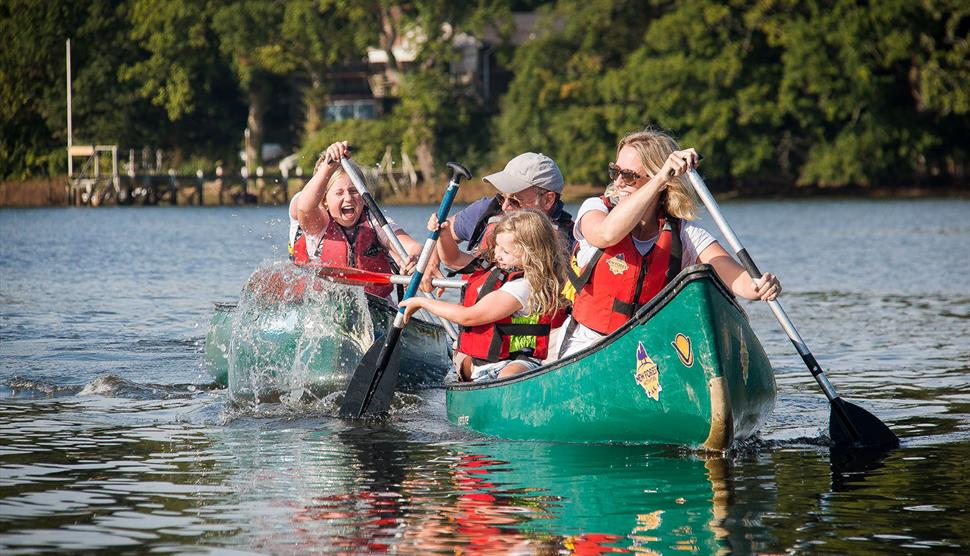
(356, 247)
(618, 280)
(489, 343)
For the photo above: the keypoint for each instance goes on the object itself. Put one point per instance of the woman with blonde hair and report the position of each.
(635, 238)
(510, 306)
(330, 224)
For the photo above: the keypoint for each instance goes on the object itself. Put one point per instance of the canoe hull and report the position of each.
(308, 347)
(688, 370)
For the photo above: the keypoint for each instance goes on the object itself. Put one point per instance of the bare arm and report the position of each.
(494, 306)
(738, 279)
(447, 249)
(607, 229)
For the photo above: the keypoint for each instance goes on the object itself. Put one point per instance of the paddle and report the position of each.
(356, 277)
(392, 238)
(849, 424)
(372, 385)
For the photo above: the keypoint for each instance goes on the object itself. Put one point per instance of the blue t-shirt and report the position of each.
(467, 217)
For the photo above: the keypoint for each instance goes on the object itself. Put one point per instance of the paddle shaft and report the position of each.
(394, 333)
(447, 283)
(775, 305)
(392, 238)
(356, 276)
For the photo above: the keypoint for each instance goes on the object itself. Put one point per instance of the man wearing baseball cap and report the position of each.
(530, 180)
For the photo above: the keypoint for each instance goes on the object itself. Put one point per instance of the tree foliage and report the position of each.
(773, 93)
(813, 92)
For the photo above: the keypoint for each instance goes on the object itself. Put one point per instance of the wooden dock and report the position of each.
(99, 181)
(174, 189)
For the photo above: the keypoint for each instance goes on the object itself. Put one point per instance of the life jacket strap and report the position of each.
(580, 280)
(522, 329)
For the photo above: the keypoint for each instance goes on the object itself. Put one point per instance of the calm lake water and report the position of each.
(113, 438)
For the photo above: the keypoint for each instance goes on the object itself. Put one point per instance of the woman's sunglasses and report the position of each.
(629, 177)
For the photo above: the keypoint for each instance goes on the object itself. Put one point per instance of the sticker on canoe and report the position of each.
(617, 264)
(684, 350)
(647, 375)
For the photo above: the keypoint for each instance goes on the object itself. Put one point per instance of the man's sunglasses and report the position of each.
(516, 203)
(629, 177)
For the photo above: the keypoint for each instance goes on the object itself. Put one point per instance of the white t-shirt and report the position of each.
(694, 240)
(314, 241)
(521, 291)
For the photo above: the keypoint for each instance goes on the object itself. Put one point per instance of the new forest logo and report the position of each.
(647, 373)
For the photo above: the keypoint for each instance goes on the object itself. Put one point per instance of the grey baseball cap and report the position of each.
(527, 170)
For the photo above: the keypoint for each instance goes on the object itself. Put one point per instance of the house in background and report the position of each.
(362, 91)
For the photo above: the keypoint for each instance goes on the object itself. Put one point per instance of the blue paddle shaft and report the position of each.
(443, 209)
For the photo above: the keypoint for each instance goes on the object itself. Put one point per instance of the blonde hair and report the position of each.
(654, 147)
(542, 254)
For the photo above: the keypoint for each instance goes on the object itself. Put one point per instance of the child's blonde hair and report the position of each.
(542, 254)
(654, 147)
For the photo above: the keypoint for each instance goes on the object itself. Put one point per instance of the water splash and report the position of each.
(295, 338)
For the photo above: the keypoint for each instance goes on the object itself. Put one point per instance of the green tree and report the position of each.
(180, 72)
(878, 92)
(33, 58)
(558, 102)
(319, 34)
(434, 105)
(705, 72)
(250, 38)
(33, 99)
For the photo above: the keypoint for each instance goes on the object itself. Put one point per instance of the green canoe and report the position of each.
(687, 370)
(307, 337)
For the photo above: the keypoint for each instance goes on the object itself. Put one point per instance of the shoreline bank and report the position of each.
(52, 192)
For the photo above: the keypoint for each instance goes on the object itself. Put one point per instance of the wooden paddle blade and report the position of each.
(852, 426)
(371, 387)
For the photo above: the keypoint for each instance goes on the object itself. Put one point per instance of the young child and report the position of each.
(508, 308)
(332, 224)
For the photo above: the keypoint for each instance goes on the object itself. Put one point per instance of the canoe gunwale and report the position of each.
(667, 295)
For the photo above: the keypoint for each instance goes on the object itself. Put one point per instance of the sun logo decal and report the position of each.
(647, 373)
(684, 350)
(617, 264)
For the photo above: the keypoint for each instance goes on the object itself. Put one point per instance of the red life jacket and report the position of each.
(489, 343)
(618, 280)
(357, 247)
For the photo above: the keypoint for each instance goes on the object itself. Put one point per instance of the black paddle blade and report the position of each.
(371, 388)
(850, 426)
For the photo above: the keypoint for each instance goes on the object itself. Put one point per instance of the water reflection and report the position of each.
(94, 473)
(365, 490)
